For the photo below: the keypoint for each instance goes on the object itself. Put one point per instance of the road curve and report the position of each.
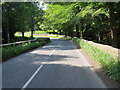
(59, 64)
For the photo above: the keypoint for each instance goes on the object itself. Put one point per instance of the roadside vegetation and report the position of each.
(109, 63)
(29, 33)
(38, 34)
(10, 51)
(19, 38)
(94, 21)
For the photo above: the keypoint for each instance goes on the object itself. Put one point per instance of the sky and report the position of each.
(44, 7)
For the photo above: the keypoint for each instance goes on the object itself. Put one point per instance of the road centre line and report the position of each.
(27, 83)
(35, 73)
(52, 52)
(59, 44)
(54, 49)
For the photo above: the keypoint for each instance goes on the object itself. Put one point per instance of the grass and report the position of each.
(66, 38)
(40, 32)
(28, 33)
(8, 52)
(37, 34)
(19, 38)
(110, 64)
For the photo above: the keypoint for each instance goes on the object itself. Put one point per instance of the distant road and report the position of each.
(59, 64)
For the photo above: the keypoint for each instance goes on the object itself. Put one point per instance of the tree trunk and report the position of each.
(65, 33)
(8, 35)
(32, 29)
(71, 34)
(11, 35)
(99, 38)
(60, 32)
(112, 23)
(23, 34)
(81, 29)
(53, 31)
(81, 35)
(32, 34)
(77, 31)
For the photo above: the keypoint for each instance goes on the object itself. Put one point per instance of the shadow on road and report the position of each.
(66, 76)
(58, 71)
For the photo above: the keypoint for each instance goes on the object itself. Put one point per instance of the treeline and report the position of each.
(96, 21)
(19, 16)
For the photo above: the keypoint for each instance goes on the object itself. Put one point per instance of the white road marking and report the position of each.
(59, 44)
(35, 73)
(52, 52)
(26, 84)
(54, 49)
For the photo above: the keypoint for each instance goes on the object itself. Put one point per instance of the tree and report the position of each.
(18, 17)
(9, 20)
(113, 30)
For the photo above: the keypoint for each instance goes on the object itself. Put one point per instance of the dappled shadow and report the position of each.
(64, 69)
(73, 71)
(42, 58)
(66, 76)
(75, 75)
(58, 71)
(64, 45)
(54, 76)
(37, 55)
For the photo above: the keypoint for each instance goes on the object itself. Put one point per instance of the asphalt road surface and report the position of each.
(59, 64)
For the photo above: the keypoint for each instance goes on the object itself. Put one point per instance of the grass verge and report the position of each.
(35, 32)
(8, 52)
(110, 64)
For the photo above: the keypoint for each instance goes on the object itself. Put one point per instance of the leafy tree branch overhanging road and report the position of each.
(94, 21)
(89, 20)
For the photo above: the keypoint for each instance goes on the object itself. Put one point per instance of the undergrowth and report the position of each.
(110, 64)
(10, 51)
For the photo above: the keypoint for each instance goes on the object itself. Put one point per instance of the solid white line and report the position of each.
(27, 83)
(31, 78)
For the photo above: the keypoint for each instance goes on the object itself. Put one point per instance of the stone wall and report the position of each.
(111, 50)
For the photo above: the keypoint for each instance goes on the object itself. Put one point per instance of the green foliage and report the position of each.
(28, 32)
(27, 37)
(8, 52)
(88, 20)
(18, 38)
(56, 16)
(20, 16)
(40, 32)
(110, 64)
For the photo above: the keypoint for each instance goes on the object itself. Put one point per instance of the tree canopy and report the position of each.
(96, 21)
(19, 16)
(89, 20)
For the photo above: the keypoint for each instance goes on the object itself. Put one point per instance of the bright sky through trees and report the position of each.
(43, 5)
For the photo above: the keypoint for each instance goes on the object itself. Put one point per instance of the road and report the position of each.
(59, 64)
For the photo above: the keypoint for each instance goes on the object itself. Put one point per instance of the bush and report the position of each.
(8, 52)
(110, 64)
